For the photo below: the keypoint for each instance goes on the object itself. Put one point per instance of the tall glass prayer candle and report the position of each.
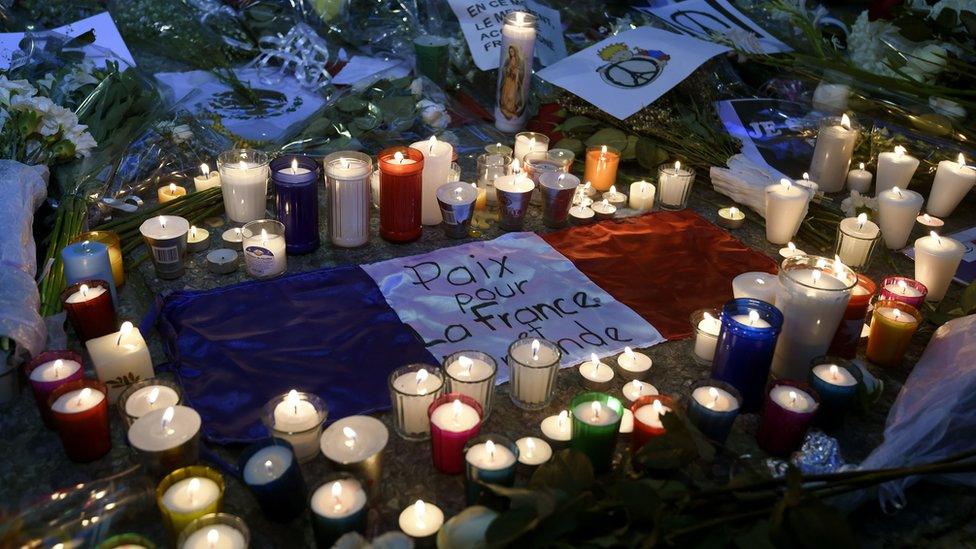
(532, 364)
(48, 371)
(437, 166)
(187, 494)
(856, 240)
(412, 389)
(338, 507)
(454, 419)
(401, 192)
(472, 373)
(786, 204)
(514, 193)
(155, 393)
(836, 381)
(952, 181)
(892, 326)
(166, 236)
(713, 407)
(908, 291)
(895, 169)
(120, 359)
(937, 259)
(557, 189)
(347, 179)
(674, 185)
(270, 470)
(745, 346)
(757, 285)
(706, 325)
(88, 260)
(813, 296)
(244, 180)
(596, 422)
(166, 439)
(80, 412)
(844, 343)
(492, 459)
(295, 179)
(789, 408)
(90, 310)
(111, 240)
(515, 70)
(647, 411)
(526, 142)
(897, 210)
(355, 444)
(601, 166)
(296, 417)
(832, 154)
(432, 56)
(215, 531)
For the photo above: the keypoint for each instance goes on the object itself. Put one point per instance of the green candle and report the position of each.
(596, 421)
(432, 57)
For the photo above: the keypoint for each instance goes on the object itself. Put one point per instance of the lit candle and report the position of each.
(166, 237)
(533, 451)
(895, 169)
(412, 390)
(90, 309)
(834, 380)
(338, 507)
(937, 259)
(166, 439)
(120, 359)
(856, 237)
(674, 185)
(596, 423)
(197, 240)
(526, 142)
(897, 210)
(88, 260)
(557, 429)
(706, 327)
(859, 180)
(214, 536)
(355, 444)
(892, 326)
(790, 250)
(110, 239)
(491, 459)
(757, 285)
(233, 238)
(601, 166)
(636, 389)
(596, 375)
(558, 191)
(48, 371)
(207, 179)
(930, 223)
(264, 248)
(952, 181)
(244, 179)
(648, 411)
(786, 204)
(297, 417)
(472, 373)
(618, 199)
(295, 181)
(454, 419)
(533, 364)
(633, 365)
(581, 215)
(906, 290)
(604, 209)
(513, 193)
(848, 335)
(832, 153)
(170, 192)
(626, 423)
(749, 332)
(269, 469)
(184, 496)
(731, 218)
(438, 156)
(713, 410)
(642, 196)
(147, 398)
(787, 413)
(517, 46)
(421, 520)
(80, 412)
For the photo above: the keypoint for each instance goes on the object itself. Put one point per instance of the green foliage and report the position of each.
(950, 309)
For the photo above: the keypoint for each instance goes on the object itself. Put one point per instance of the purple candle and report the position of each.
(296, 201)
(48, 371)
(789, 408)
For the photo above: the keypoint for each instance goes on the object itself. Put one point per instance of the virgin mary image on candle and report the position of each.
(510, 99)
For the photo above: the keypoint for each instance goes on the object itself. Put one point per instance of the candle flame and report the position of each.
(629, 352)
(734, 212)
(845, 121)
(839, 266)
(927, 219)
(431, 143)
(516, 166)
(595, 362)
(595, 406)
(896, 190)
(613, 190)
(466, 365)
(638, 386)
(336, 489)
(172, 188)
(822, 263)
(264, 237)
(561, 419)
(213, 536)
(708, 316)
(861, 165)
(861, 220)
(162, 221)
(806, 176)
(168, 414)
(153, 396)
(605, 203)
(84, 290)
(961, 160)
(57, 367)
(490, 448)
(84, 395)
(713, 392)
(658, 407)
(817, 273)
(205, 170)
(536, 345)
(420, 512)
(192, 488)
(935, 235)
(193, 231)
(833, 371)
(793, 397)
(677, 165)
(897, 314)
(753, 317)
(603, 150)
(902, 286)
(398, 157)
(519, 18)
(124, 331)
(791, 246)
(456, 408)
(350, 435)
(786, 183)
(268, 466)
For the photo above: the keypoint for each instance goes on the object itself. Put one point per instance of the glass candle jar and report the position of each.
(244, 183)
(492, 459)
(518, 34)
(401, 187)
(265, 253)
(87, 260)
(596, 422)
(537, 163)
(166, 439)
(339, 506)
(706, 325)
(745, 346)
(848, 332)
(187, 494)
(893, 324)
(111, 240)
(295, 178)
(647, 411)
(215, 530)
(48, 371)
(532, 364)
(271, 472)
(472, 373)
(601, 166)
(454, 420)
(900, 288)
(836, 381)
(557, 189)
(355, 444)
(713, 407)
(789, 408)
(857, 238)
(526, 142)
(147, 395)
(297, 417)
(80, 412)
(674, 185)
(412, 389)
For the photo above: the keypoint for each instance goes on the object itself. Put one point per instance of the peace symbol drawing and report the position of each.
(631, 67)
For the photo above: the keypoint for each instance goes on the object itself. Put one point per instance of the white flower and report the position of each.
(434, 114)
(858, 203)
(927, 61)
(867, 44)
(80, 75)
(740, 40)
(82, 140)
(417, 87)
(10, 88)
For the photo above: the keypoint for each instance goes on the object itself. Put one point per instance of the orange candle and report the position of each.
(170, 192)
(601, 167)
(892, 327)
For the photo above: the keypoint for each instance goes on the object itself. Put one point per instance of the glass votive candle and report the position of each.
(674, 185)
(647, 412)
(401, 186)
(348, 177)
(264, 248)
(596, 374)
(338, 507)
(537, 163)
(745, 347)
(215, 531)
(165, 237)
(48, 371)
(893, 324)
(472, 373)
(636, 389)
(187, 494)
(836, 381)
(355, 444)
(492, 459)
(533, 364)
(421, 521)
(713, 407)
(633, 365)
(111, 240)
(786, 414)
(532, 452)
(142, 397)
(166, 439)
(857, 238)
(295, 178)
(244, 183)
(80, 412)
(563, 156)
(903, 289)
(500, 149)
(526, 142)
(297, 417)
(271, 472)
(848, 333)
(491, 166)
(706, 324)
(454, 419)
(412, 389)
(596, 422)
(90, 309)
(127, 541)
(601, 166)
(557, 430)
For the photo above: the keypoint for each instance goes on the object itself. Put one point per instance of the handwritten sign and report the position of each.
(484, 295)
(704, 18)
(481, 23)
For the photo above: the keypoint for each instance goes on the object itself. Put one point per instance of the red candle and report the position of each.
(401, 188)
(647, 412)
(90, 309)
(454, 419)
(789, 408)
(48, 371)
(80, 411)
(908, 291)
(848, 333)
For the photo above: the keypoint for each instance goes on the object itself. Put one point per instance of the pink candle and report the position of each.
(454, 419)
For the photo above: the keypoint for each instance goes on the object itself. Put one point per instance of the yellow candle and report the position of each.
(892, 326)
(187, 494)
(111, 240)
(601, 167)
(170, 192)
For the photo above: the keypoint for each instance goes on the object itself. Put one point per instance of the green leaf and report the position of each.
(571, 144)
(578, 126)
(641, 501)
(611, 137)
(947, 18)
(630, 151)
(351, 104)
(813, 525)
(568, 471)
(648, 154)
(511, 525)
(968, 299)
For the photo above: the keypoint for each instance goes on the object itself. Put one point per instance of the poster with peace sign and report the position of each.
(626, 72)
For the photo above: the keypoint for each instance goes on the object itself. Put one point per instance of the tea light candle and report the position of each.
(222, 261)
(492, 459)
(906, 290)
(166, 439)
(454, 419)
(637, 388)
(937, 259)
(581, 215)
(215, 531)
(120, 359)
(532, 364)
(790, 251)
(437, 163)
(596, 423)
(187, 494)
(472, 373)
(856, 237)
(80, 412)
(596, 375)
(296, 417)
(706, 326)
(412, 389)
(504, 150)
(787, 413)
(604, 209)
(674, 185)
(48, 371)
(170, 192)
(233, 238)
(757, 285)
(648, 411)
(832, 153)
(197, 239)
(558, 430)
(929, 223)
(713, 408)
(526, 142)
(147, 396)
(859, 180)
(892, 326)
(533, 452)
(895, 169)
(207, 179)
(731, 218)
(633, 365)
(355, 444)
(952, 181)
(338, 507)
(786, 204)
(618, 199)
(601, 166)
(269, 469)
(421, 521)
(836, 381)
(897, 210)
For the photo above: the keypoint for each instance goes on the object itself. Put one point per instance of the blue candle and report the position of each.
(836, 380)
(295, 179)
(745, 346)
(492, 459)
(338, 507)
(271, 471)
(713, 407)
(88, 260)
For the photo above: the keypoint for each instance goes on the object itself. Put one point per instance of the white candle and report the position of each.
(245, 190)
(793, 399)
(438, 156)
(859, 180)
(165, 429)
(170, 192)
(594, 413)
(895, 169)
(354, 439)
(190, 494)
(715, 398)
(673, 185)
(832, 154)
(790, 250)
(897, 210)
(929, 222)
(636, 389)
(533, 451)
(215, 536)
(834, 375)
(634, 363)
(470, 369)
(535, 381)
(338, 499)
(595, 370)
(54, 370)
(294, 169)
(296, 420)
(77, 401)
(527, 142)
(267, 465)
(952, 181)
(650, 414)
(149, 398)
(604, 209)
(706, 337)
(455, 416)
(558, 427)
(196, 236)
(857, 239)
(233, 238)
(264, 254)
(618, 199)
(421, 519)
(936, 260)
(581, 214)
(349, 200)
(85, 293)
(756, 285)
(164, 227)
(751, 319)
(903, 289)
(421, 388)
(514, 71)
(120, 359)
(786, 204)
(517, 182)
(490, 456)
(207, 179)
(626, 422)
(642, 196)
